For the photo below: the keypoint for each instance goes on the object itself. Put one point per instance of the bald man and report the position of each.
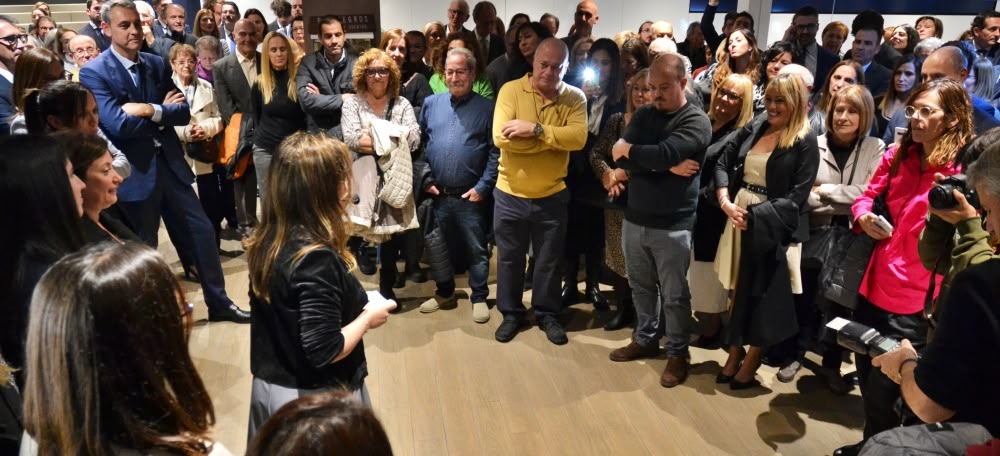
(661, 151)
(584, 19)
(949, 62)
(662, 29)
(537, 122)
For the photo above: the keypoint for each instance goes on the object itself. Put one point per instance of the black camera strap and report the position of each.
(929, 297)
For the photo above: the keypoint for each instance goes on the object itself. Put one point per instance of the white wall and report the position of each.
(615, 16)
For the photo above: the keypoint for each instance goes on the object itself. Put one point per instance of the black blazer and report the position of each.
(496, 49)
(825, 60)
(790, 174)
(877, 79)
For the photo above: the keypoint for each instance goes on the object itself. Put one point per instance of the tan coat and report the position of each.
(204, 112)
(834, 196)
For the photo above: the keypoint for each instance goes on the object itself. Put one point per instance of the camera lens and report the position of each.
(941, 197)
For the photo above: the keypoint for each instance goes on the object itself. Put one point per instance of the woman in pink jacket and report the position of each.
(896, 282)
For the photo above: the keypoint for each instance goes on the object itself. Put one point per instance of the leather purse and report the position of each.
(206, 151)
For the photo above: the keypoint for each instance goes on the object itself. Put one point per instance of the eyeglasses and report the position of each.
(12, 40)
(732, 96)
(924, 111)
(184, 63)
(373, 72)
(456, 72)
(86, 51)
(807, 26)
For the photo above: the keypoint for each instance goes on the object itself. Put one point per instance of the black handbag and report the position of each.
(816, 250)
(840, 278)
(206, 151)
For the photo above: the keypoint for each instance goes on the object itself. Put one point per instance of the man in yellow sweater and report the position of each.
(537, 122)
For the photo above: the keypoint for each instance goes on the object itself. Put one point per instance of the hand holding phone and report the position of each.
(884, 224)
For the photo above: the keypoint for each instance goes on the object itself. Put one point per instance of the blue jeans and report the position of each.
(464, 225)
(657, 262)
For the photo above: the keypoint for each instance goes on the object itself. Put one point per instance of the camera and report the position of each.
(861, 339)
(941, 197)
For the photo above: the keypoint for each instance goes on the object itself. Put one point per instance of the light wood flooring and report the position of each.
(441, 385)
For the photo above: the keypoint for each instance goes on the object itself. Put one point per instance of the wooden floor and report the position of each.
(441, 385)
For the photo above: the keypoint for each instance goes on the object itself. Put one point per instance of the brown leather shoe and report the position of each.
(675, 373)
(634, 351)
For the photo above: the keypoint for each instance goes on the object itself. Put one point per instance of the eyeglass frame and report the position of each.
(916, 110)
(87, 50)
(731, 96)
(11, 40)
(373, 72)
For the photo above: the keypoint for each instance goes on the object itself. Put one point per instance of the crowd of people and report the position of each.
(705, 182)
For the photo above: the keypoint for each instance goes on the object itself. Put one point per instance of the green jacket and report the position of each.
(958, 246)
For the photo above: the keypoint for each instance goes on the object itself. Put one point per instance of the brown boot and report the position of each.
(634, 351)
(675, 373)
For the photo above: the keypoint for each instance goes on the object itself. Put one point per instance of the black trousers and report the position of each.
(880, 394)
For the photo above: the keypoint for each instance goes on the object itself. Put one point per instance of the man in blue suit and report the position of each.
(139, 106)
(867, 30)
(12, 43)
(93, 28)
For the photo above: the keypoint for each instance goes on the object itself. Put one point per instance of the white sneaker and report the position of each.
(480, 312)
(435, 303)
(787, 374)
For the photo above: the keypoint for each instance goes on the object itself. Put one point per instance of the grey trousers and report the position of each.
(262, 161)
(657, 262)
(266, 398)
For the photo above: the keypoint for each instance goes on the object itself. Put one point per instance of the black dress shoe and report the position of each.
(418, 276)
(737, 385)
(365, 263)
(400, 281)
(594, 296)
(849, 450)
(229, 313)
(624, 316)
(569, 295)
(721, 378)
(852, 378)
(190, 273)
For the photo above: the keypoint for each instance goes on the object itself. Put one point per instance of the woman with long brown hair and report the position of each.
(310, 312)
(739, 55)
(109, 370)
(896, 283)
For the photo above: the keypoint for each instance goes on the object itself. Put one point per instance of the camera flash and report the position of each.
(589, 74)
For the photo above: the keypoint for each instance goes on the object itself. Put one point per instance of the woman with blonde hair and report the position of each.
(377, 83)
(311, 312)
(276, 109)
(414, 86)
(896, 283)
(108, 365)
(730, 110)
(770, 167)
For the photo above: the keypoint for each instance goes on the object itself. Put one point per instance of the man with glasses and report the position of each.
(93, 28)
(84, 50)
(948, 61)
(12, 43)
(458, 15)
(802, 34)
(458, 146)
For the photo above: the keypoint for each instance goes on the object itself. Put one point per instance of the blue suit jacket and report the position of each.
(6, 106)
(135, 136)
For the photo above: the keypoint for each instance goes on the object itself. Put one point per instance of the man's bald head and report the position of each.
(661, 46)
(669, 79)
(585, 17)
(800, 71)
(945, 62)
(553, 45)
(662, 29)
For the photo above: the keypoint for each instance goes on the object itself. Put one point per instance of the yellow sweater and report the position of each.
(535, 167)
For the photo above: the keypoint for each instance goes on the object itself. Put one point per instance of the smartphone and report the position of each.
(900, 131)
(884, 224)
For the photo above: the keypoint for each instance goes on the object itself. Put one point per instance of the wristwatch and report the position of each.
(538, 130)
